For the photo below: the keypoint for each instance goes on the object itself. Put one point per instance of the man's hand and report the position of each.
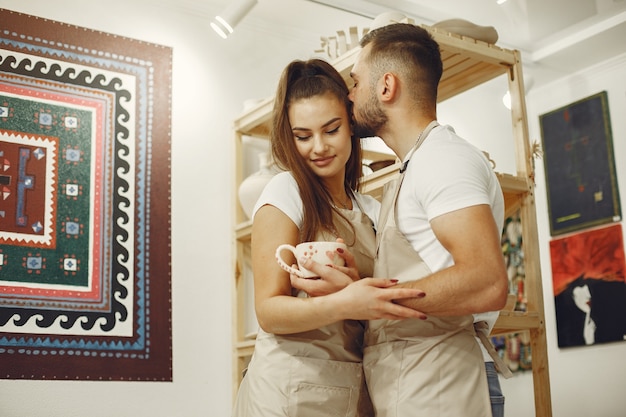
(374, 298)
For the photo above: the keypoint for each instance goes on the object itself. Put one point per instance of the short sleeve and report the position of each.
(282, 192)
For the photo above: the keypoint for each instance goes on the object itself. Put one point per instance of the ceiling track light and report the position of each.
(224, 23)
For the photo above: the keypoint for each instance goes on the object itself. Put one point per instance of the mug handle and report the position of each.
(283, 264)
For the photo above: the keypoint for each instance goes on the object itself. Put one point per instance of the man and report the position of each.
(449, 208)
(439, 230)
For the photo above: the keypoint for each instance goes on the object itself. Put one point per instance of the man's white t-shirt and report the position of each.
(445, 174)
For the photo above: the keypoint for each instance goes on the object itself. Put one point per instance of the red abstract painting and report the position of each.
(588, 274)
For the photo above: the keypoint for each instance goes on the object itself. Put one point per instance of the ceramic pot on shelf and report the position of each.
(252, 186)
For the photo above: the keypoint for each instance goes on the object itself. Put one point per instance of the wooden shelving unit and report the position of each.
(467, 64)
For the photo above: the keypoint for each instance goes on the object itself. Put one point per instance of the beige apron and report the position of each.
(317, 373)
(415, 367)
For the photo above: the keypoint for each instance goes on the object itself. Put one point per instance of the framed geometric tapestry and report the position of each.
(580, 165)
(85, 272)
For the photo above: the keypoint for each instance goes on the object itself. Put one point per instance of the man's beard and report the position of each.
(369, 119)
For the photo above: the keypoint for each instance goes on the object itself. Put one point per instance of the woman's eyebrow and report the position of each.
(331, 121)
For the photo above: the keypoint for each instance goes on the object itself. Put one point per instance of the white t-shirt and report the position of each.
(282, 192)
(445, 174)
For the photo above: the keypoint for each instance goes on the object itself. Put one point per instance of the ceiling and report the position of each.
(556, 37)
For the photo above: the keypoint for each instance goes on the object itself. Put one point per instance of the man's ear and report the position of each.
(388, 87)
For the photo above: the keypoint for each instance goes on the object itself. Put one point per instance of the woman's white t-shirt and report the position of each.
(282, 192)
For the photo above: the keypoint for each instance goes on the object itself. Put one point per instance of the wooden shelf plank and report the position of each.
(243, 231)
(256, 121)
(245, 349)
(373, 184)
(467, 63)
(477, 50)
(510, 321)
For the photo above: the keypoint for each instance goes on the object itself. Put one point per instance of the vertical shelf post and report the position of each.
(528, 216)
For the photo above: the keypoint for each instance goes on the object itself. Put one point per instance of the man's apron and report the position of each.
(317, 373)
(415, 367)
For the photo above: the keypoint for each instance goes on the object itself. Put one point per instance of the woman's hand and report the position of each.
(374, 298)
(332, 278)
(350, 267)
(364, 299)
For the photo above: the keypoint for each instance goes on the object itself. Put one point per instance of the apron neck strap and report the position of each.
(420, 139)
(389, 205)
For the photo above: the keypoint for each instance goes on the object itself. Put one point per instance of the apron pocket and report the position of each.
(320, 387)
(311, 400)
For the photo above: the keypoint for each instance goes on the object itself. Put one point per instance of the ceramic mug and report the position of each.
(310, 250)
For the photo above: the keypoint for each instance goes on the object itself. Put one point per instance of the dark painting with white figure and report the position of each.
(588, 274)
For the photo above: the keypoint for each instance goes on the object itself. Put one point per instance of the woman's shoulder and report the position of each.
(282, 182)
(282, 192)
(284, 177)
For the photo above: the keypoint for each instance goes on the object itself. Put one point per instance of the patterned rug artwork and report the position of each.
(84, 186)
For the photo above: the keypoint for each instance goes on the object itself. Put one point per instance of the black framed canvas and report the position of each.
(580, 165)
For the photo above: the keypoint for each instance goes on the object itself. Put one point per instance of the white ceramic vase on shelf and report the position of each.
(251, 187)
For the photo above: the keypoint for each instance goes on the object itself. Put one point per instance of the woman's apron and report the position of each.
(317, 373)
(415, 367)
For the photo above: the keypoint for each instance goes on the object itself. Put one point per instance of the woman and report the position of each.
(307, 358)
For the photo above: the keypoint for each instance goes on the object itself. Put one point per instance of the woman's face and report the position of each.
(582, 298)
(322, 133)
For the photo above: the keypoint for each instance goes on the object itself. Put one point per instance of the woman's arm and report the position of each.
(280, 313)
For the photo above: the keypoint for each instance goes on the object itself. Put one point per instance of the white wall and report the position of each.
(208, 92)
(211, 80)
